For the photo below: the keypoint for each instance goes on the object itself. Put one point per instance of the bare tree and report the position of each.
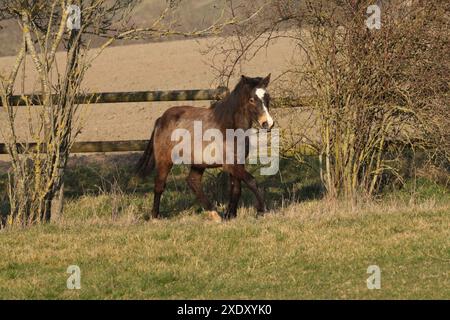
(371, 93)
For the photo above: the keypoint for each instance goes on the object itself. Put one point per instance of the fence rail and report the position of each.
(117, 97)
(120, 97)
(90, 146)
(133, 96)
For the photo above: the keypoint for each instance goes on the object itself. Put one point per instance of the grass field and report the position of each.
(312, 248)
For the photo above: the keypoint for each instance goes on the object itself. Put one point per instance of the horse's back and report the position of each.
(176, 118)
(183, 117)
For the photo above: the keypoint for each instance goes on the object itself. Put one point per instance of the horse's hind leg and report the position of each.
(194, 181)
(162, 171)
(235, 195)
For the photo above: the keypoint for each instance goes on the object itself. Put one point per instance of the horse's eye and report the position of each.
(252, 100)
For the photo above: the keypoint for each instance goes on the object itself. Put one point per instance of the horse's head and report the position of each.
(259, 101)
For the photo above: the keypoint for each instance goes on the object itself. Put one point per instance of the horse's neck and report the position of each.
(231, 112)
(241, 118)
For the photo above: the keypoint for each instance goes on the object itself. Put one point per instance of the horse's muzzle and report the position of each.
(265, 125)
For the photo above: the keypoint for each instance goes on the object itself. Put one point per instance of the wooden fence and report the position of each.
(118, 97)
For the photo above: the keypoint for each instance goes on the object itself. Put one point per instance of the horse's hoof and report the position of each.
(261, 214)
(229, 216)
(151, 216)
(214, 216)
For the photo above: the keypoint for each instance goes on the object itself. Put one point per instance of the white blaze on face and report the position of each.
(260, 93)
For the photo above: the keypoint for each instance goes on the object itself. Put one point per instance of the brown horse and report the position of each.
(248, 103)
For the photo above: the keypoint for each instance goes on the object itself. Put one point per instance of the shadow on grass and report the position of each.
(294, 182)
(113, 176)
(4, 204)
(100, 175)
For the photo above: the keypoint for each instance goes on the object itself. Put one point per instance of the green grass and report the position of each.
(306, 248)
(302, 252)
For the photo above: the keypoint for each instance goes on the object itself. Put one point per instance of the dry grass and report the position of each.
(307, 247)
(314, 249)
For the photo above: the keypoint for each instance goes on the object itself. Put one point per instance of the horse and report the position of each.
(246, 105)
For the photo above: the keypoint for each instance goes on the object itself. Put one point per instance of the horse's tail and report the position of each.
(146, 164)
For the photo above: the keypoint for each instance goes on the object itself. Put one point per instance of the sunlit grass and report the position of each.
(306, 247)
(310, 250)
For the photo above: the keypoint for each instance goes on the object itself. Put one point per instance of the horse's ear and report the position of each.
(265, 82)
(244, 79)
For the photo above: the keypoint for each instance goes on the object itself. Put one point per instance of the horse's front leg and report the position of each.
(235, 195)
(239, 172)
